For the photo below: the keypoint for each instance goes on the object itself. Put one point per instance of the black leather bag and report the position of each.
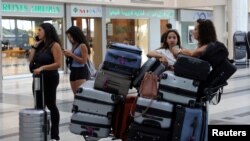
(191, 67)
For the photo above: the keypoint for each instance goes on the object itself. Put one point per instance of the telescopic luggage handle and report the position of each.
(38, 86)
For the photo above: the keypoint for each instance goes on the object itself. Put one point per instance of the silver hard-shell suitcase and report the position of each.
(153, 112)
(90, 125)
(34, 124)
(90, 100)
(177, 89)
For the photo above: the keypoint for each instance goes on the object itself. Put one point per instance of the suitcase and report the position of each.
(190, 124)
(90, 125)
(240, 48)
(177, 89)
(122, 116)
(158, 114)
(90, 100)
(153, 65)
(191, 67)
(34, 124)
(144, 133)
(112, 82)
(31, 125)
(122, 58)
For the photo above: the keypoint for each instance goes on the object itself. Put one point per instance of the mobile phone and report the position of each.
(37, 38)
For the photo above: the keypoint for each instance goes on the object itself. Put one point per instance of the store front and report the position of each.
(136, 26)
(89, 19)
(187, 21)
(19, 26)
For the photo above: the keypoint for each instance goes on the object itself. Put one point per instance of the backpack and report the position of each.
(222, 69)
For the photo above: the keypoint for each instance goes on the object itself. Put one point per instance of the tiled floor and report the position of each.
(234, 107)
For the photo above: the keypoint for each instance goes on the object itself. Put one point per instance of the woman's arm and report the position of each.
(159, 56)
(84, 54)
(195, 53)
(154, 54)
(32, 53)
(57, 54)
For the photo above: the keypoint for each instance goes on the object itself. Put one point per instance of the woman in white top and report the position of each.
(165, 53)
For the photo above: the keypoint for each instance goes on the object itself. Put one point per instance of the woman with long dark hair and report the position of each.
(79, 54)
(165, 53)
(46, 58)
(205, 33)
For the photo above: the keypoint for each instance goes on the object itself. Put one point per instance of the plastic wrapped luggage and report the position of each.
(146, 133)
(90, 125)
(153, 65)
(191, 67)
(112, 82)
(153, 113)
(34, 124)
(241, 48)
(122, 58)
(189, 124)
(177, 89)
(90, 100)
(122, 116)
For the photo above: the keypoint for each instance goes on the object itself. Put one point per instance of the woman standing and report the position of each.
(46, 58)
(79, 54)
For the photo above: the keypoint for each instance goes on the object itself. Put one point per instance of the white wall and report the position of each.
(199, 3)
(166, 3)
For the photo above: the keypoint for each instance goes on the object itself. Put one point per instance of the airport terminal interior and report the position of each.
(115, 21)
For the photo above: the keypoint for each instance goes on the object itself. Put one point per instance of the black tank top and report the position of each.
(43, 56)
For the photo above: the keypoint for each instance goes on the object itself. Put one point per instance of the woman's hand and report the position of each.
(38, 70)
(164, 60)
(67, 53)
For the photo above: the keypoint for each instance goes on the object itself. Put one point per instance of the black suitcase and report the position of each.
(146, 133)
(191, 67)
(153, 65)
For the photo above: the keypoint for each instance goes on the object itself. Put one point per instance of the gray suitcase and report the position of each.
(112, 82)
(177, 89)
(90, 125)
(34, 124)
(90, 100)
(153, 65)
(158, 114)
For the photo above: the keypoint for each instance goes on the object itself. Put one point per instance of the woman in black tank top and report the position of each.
(46, 58)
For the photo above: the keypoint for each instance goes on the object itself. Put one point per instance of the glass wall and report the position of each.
(91, 27)
(18, 36)
(129, 31)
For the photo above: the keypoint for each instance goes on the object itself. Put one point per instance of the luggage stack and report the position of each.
(176, 114)
(95, 101)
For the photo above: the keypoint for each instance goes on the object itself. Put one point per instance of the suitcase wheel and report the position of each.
(74, 109)
(109, 115)
(164, 76)
(116, 98)
(79, 90)
(196, 83)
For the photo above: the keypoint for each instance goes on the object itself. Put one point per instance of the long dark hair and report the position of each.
(50, 35)
(165, 44)
(78, 36)
(207, 32)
